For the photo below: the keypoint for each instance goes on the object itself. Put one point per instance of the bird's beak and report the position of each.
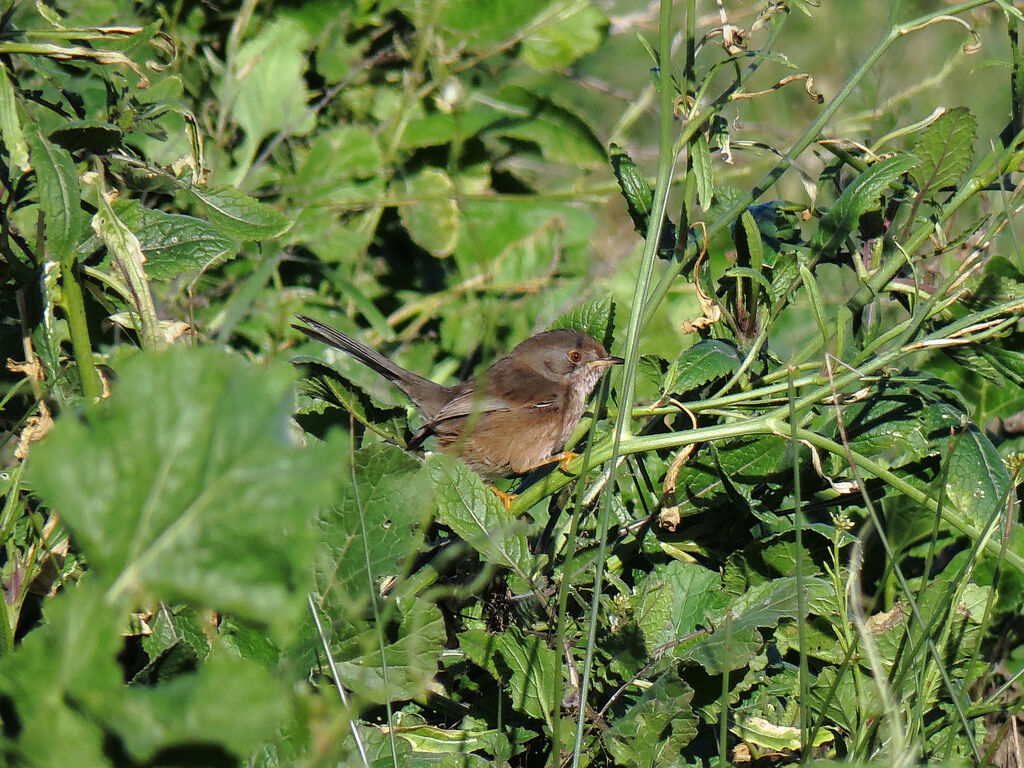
(610, 360)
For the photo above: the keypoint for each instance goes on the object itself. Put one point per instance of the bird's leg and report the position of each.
(504, 498)
(562, 457)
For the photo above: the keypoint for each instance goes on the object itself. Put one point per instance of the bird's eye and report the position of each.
(575, 356)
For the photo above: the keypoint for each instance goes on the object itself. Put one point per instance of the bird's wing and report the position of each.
(497, 398)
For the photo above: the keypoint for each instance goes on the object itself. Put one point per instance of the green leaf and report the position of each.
(768, 735)
(96, 136)
(735, 640)
(596, 318)
(705, 361)
(904, 419)
(344, 400)
(63, 682)
(268, 92)
(567, 37)
(713, 479)
(203, 708)
(700, 155)
(375, 528)
(533, 669)
(560, 135)
(431, 215)
(59, 195)
(673, 601)
(193, 490)
(945, 150)
(340, 166)
(476, 515)
(657, 727)
(480, 24)
(860, 196)
(174, 244)
(977, 483)
(10, 127)
(412, 650)
(238, 215)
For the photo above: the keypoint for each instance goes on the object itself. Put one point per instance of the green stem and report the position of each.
(666, 165)
(810, 135)
(78, 328)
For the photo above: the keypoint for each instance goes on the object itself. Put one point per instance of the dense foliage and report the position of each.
(793, 530)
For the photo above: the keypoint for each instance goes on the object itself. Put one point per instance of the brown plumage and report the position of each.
(527, 407)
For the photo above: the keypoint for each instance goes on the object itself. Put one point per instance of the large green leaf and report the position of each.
(673, 601)
(174, 244)
(565, 38)
(71, 703)
(945, 150)
(268, 92)
(655, 729)
(59, 195)
(193, 490)
(238, 215)
(374, 529)
(481, 24)
(476, 515)
(859, 197)
(430, 214)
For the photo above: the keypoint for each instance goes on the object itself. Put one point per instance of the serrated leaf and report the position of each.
(268, 90)
(59, 195)
(639, 197)
(860, 196)
(412, 650)
(977, 482)
(657, 727)
(596, 318)
(331, 387)
(431, 215)
(945, 150)
(712, 479)
(705, 361)
(374, 529)
(735, 640)
(193, 491)
(476, 515)
(905, 419)
(672, 601)
(174, 244)
(238, 215)
(533, 668)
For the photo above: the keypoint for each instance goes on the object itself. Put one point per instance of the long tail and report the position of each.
(368, 357)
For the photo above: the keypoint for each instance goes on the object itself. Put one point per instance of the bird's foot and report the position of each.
(505, 498)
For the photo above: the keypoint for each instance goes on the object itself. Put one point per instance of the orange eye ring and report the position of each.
(575, 356)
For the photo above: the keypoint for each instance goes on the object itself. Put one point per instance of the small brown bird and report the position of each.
(528, 405)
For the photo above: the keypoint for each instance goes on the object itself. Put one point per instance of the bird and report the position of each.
(515, 417)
